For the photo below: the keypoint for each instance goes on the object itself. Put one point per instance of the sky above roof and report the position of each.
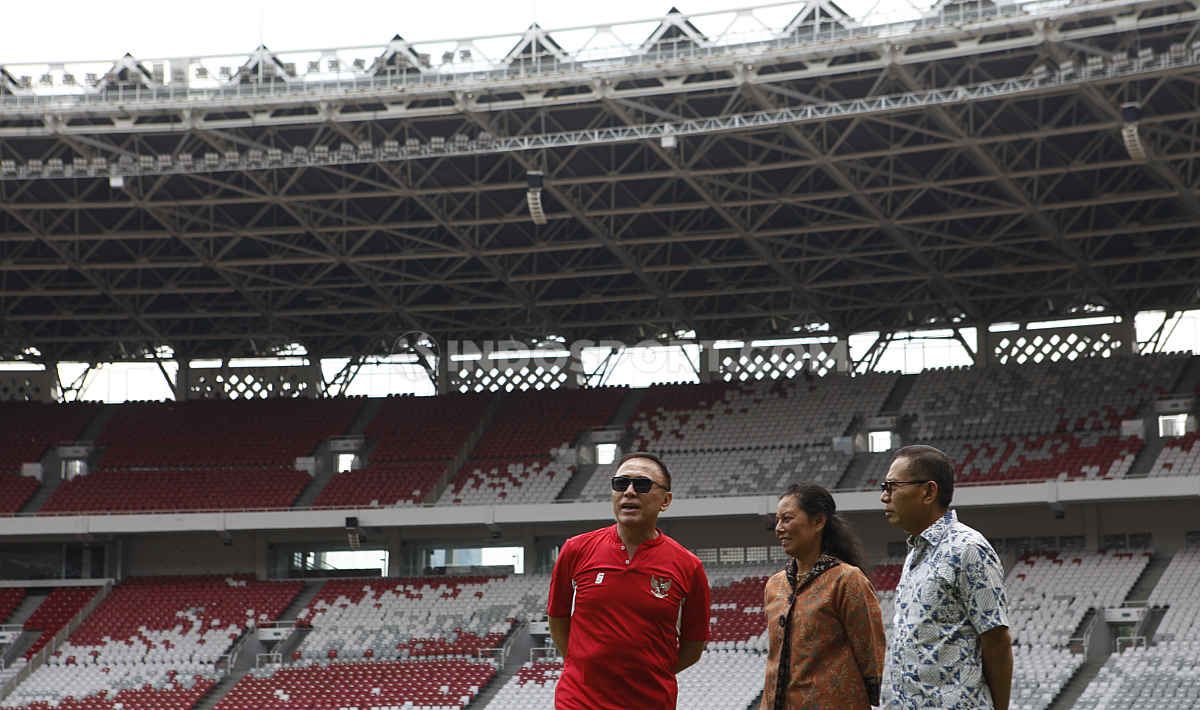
(75, 30)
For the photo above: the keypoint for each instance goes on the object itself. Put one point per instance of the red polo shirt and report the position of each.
(627, 619)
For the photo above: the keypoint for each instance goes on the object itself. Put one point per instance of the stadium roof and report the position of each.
(982, 163)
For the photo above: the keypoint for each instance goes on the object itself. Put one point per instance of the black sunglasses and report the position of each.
(640, 484)
(890, 486)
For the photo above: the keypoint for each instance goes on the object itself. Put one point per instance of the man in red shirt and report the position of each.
(628, 605)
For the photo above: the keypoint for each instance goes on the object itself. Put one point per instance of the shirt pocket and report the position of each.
(946, 606)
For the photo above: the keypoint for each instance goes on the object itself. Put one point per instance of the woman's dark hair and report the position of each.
(837, 539)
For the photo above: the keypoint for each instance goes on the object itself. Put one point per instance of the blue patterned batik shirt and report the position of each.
(951, 590)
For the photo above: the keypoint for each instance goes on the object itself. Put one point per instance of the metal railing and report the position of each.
(59, 637)
(1080, 644)
(604, 50)
(1125, 643)
(542, 653)
(262, 660)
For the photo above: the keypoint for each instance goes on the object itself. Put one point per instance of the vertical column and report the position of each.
(983, 345)
(442, 384)
(573, 365)
(709, 363)
(394, 539)
(1126, 331)
(183, 377)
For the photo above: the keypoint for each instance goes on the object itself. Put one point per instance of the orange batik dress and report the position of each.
(826, 639)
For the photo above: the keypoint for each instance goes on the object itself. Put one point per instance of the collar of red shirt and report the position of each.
(615, 539)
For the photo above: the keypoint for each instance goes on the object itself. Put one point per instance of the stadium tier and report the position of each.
(1179, 457)
(1167, 673)
(10, 599)
(227, 488)
(27, 430)
(152, 643)
(415, 618)
(55, 612)
(515, 461)
(761, 415)
(199, 433)
(1037, 421)
(749, 439)
(15, 492)
(1006, 423)
(447, 684)
(204, 455)
(413, 440)
(1093, 394)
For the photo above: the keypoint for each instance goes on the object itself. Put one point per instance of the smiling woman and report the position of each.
(823, 618)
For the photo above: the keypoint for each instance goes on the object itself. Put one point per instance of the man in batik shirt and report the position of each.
(950, 646)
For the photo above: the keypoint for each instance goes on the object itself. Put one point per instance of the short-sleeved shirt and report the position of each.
(628, 617)
(951, 591)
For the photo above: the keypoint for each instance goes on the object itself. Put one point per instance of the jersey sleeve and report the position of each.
(981, 585)
(693, 624)
(562, 591)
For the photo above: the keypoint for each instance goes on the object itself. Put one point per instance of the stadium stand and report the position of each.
(10, 599)
(531, 688)
(432, 684)
(1092, 394)
(414, 440)
(15, 492)
(267, 432)
(204, 455)
(1165, 674)
(55, 612)
(27, 430)
(226, 488)
(153, 643)
(397, 619)
(516, 462)
(1179, 457)
(1049, 595)
(752, 438)
(388, 642)
(1032, 421)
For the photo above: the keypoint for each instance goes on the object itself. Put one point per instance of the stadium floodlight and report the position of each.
(116, 182)
(533, 196)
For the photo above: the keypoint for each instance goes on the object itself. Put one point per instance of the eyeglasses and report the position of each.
(641, 485)
(889, 487)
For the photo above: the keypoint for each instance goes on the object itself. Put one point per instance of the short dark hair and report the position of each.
(647, 455)
(931, 464)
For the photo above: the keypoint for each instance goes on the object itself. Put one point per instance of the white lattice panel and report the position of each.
(780, 362)
(511, 378)
(252, 383)
(25, 386)
(1056, 345)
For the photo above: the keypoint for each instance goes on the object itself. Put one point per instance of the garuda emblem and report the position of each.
(659, 586)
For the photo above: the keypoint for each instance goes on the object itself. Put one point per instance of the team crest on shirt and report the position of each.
(659, 586)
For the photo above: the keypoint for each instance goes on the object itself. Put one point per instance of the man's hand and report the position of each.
(560, 631)
(996, 647)
(689, 653)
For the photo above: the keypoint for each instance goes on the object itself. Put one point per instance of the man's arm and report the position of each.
(689, 653)
(560, 631)
(996, 646)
